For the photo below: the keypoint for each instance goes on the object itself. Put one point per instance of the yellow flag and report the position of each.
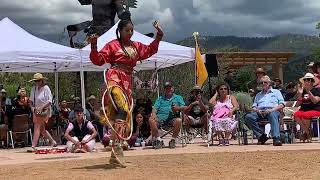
(201, 70)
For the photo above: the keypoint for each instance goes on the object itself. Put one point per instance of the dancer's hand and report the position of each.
(156, 25)
(93, 41)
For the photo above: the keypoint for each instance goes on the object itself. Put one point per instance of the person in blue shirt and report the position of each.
(165, 112)
(267, 105)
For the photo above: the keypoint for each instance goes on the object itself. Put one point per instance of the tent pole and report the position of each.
(158, 89)
(56, 83)
(83, 94)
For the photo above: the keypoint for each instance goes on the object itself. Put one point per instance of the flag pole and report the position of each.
(195, 35)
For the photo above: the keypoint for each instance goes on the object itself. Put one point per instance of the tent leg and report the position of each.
(56, 82)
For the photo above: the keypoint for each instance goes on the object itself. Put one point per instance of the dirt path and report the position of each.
(221, 165)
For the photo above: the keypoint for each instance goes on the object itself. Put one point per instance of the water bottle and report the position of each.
(143, 144)
(40, 142)
(286, 137)
(175, 114)
(245, 138)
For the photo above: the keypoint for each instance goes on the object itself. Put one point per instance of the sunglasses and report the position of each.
(308, 80)
(37, 80)
(223, 89)
(264, 82)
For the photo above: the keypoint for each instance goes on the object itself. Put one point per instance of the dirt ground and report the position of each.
(302, 164)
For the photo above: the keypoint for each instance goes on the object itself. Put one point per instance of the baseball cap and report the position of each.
(167, 84)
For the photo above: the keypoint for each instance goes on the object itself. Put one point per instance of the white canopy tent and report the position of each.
(20, 51)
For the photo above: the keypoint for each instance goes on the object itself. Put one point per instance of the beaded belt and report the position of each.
(122, 67)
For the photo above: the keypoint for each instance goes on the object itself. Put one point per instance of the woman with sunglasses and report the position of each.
(309, 102)
(222, 119)
(41, 100)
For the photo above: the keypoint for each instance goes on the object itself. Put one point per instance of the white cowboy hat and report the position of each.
(37, 76)
(310, 64)
(309, 76)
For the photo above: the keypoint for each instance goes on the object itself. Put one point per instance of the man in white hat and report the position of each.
(267, 105)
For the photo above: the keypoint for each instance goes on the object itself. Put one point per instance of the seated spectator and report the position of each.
(252, 93)
(83, 134)
(196, 112)
(316, 71)
(21, 104)
(78, 104)
(255, 84)
(309, 99)
(166, 113)
(267, 104)
(278, 85)
(142, 112)
(291, 92)
(3, 108)
(64, 111)
(95, 117)
(222, 119)
(310, 67)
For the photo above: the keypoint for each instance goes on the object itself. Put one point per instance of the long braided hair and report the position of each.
(122, 24)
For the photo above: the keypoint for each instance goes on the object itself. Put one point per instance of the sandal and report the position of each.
(54, 144)
(32, 150)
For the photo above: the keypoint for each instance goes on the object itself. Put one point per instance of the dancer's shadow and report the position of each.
(102, 166)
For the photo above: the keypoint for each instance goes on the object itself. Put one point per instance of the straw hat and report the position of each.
(196, 88)
(37, 77)
(92, 97)
(309, 76)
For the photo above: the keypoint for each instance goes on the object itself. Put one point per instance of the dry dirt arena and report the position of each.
(196, 161)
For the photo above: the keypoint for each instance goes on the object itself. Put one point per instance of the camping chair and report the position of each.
(52, 126)
(98, 134)
(242, 131)
(239, 131)
(199, 131)
(20, 125)
(182, 134)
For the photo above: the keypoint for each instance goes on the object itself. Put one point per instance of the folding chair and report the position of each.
(242, 131)
(52, 126)
(182, 134)
(96, 127)
(199, 131)
(20, 125)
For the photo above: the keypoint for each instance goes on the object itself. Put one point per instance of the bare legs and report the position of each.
(39, 127)
(305, 125)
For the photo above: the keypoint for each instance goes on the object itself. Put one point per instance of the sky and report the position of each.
(179, 18)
